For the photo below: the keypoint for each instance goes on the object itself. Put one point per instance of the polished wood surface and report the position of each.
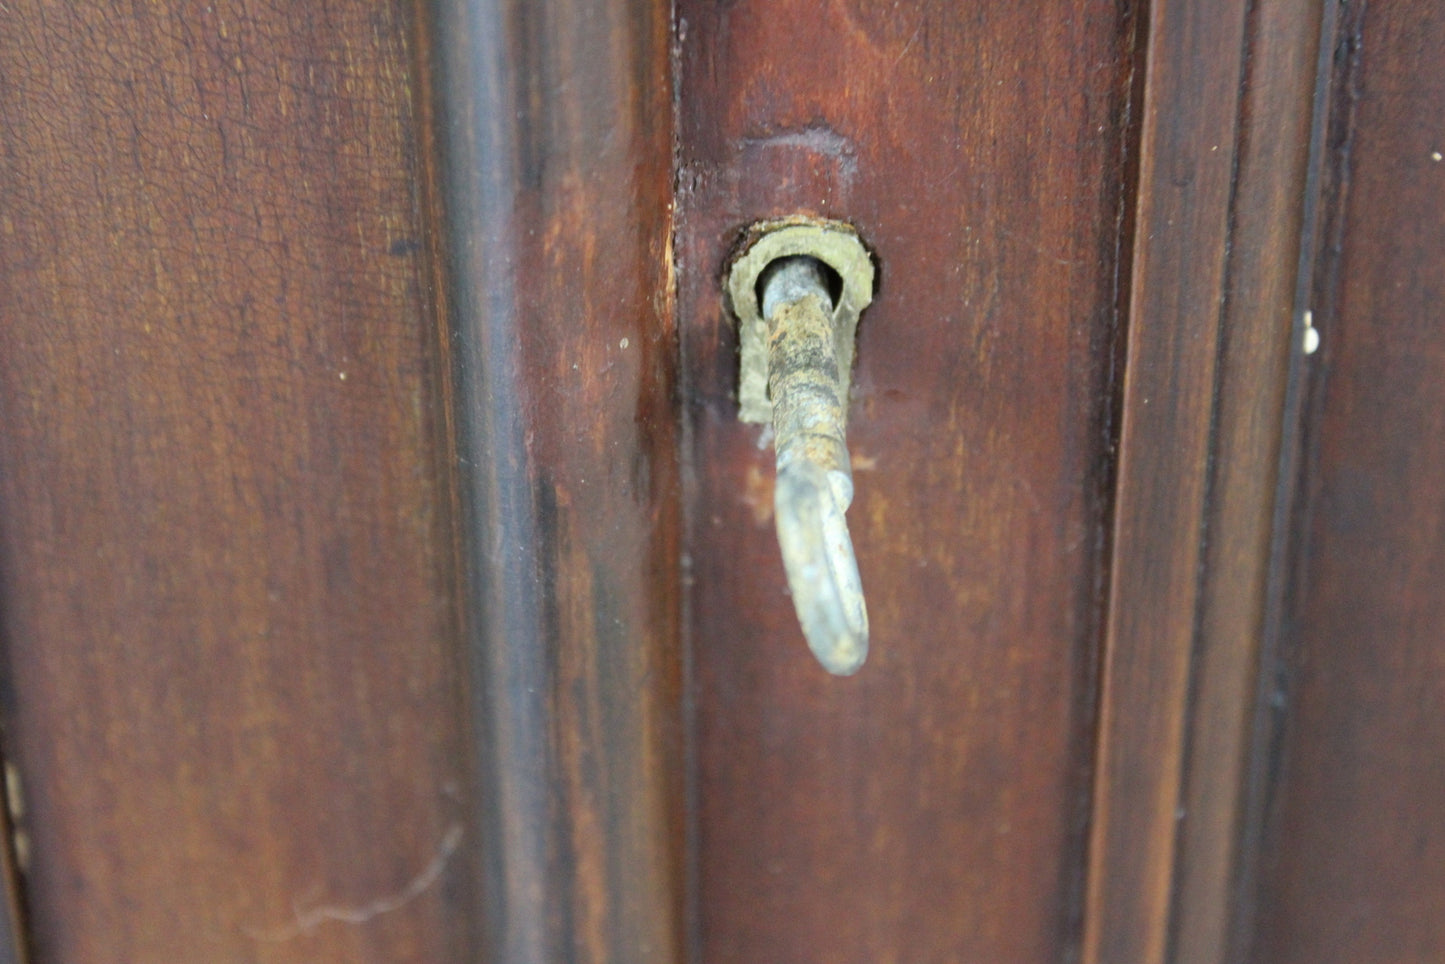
(1354, 866)
(1181, 223)
(931, 808)
(385, 574)
(554, 127)
(230, 656)
(1273, 212)
(1219, 212)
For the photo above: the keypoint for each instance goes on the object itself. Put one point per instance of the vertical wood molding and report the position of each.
(1225, 148)
(554, 123)
(1267, 291)
(1187, 157)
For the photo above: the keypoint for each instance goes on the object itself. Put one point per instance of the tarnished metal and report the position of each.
(808, 319)
(833, 243)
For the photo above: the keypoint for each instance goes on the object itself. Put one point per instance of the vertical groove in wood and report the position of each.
(1258, 343)
(1353, 865)
(1316, 232)
(555, 128)
(1187, 171)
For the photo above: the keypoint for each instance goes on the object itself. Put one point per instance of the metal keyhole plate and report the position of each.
(834, 243)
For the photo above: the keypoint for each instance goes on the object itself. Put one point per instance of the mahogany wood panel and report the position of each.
(1355, 861)
(1222, 209)
(556, 135)
(931, 808)
(232, 682)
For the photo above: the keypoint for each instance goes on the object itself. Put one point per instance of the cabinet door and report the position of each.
(386, 574)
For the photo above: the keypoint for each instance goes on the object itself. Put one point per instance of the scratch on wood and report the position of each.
(312, 918)
(909, 46)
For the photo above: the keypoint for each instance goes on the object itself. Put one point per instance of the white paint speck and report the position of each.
(623, 344)
(341, 375)
(1437, 156)
(1312, 334)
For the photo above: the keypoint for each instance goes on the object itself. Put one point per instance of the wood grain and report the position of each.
(1355, 858)
(1266, 290)
(232, 682)
(555, 132)
(931, 808)
(1187, 161)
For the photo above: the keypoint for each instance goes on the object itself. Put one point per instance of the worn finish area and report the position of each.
(224, 551)
(1354, 859)
(932, 807)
